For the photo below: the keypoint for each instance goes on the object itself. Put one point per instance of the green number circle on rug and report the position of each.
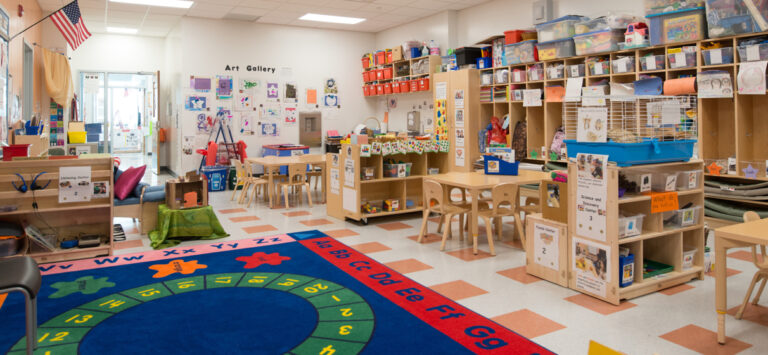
(345, 320)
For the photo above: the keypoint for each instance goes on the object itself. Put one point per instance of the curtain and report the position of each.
(58, 78)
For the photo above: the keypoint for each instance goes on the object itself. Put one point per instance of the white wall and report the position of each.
(171, 105)
(435, 27)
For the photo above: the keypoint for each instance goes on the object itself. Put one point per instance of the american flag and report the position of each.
(71, 25)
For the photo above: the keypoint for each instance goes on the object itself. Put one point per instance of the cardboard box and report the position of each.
(176, 189)
(554, 200)
(397, 53)
(76, 127)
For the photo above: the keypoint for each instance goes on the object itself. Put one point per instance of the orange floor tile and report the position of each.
(468, 254)
(599, 306)
(458, 290)
(341, 233)
(244, 219)
(315, 222)
(407, 266)
(233, 210)
(518, 274)
(675, 290)
(528, 323)
(296, 213)
(393, 226)
(260, 229)
(371, 247)
(704, 341)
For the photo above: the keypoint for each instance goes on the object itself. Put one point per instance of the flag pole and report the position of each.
(41, 20)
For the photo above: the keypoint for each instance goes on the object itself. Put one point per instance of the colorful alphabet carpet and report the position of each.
(303, 293)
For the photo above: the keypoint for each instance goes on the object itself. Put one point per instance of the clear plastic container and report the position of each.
(563, 27)
(555, 71)
(728, 18)
(623, 65)
(681, 218)
(688, 180)
(535, 72)
(576, 71)
(598, 41)
(397, 170)
(633, 181)
(518, 75)
(718, 56)
(653, 7)
(664, 182)
(683, 59)
(631, 226)
(688, 255)
(753, 52)
(599, 68)
(562, 48)
(486, 79)
(501, 76)
(521, 52)
(679, 26)
(653, 62)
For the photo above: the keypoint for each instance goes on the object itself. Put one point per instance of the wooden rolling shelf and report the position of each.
(657, 243)
(69, 219)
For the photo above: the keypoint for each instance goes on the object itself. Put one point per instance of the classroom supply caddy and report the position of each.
(496, 166)
(632, 130)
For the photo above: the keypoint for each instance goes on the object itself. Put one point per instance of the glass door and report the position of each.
(93, 109)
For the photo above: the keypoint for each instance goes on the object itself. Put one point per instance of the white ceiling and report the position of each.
(157, 21)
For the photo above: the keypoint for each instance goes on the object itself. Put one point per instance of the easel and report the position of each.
(229, 142)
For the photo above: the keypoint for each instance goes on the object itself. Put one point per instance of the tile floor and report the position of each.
(680, 320)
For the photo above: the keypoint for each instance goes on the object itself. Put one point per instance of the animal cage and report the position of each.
(632, 130)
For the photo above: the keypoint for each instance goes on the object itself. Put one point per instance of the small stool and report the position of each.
(22, 274)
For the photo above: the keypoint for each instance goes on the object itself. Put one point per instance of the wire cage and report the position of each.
(632, 129)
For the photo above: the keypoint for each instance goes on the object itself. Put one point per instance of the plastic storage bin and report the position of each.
(518, 76)
(514, 36)
(216, 177)
(623, 65)
(484, 63)
(718, 56)
(535, 72)
(77, 137)
(660, 6)
(727, 18)
(631, 226)
(635, 182)
(610, 22)
(563, 27)
(664, 182)
(677, 26)
(683, 59)
(16, 150)
(397, 170)
(522, 52)
(652, 268)
(688, 256)
(598, 41)
(598, 68)
(684, 217)
(626, 270)
(467, 55)
(576, 71)
(652, 62)
(753, 52)
(562, 48)
(688, 180)
(628, 154)
(555, 71)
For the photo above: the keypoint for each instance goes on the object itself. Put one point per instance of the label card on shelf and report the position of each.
(532, 98)
(663, 201)
(645, 182)
(650, 63)
(575, 71)
(753, 53)
(573, 89)
(715, 57)
(598, 68)
(671, 183)
(546, 246)
(679, 60)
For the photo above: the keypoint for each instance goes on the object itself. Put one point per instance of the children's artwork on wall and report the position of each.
(204, 124)
(331, 100)
(441, 132)
(311, 97)
(752, 78)
(291, 115)
(223, 87)
(330, 86)
(252, 85)
(246, 124)
(244, 101)
(273, 91)
(268, 129)
(188, 145)
(201, 84)
(291, 93)
(196, 103)
(271, 112)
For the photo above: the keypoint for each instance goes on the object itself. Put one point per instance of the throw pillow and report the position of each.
(127, 181)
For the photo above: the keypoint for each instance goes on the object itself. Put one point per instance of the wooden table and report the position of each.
(275, 162)
(733, 236)
(476, 183)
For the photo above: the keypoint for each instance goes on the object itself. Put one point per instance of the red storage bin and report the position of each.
(387, 89)
(380, 89)
(15, 150)
(424, 84)
(366, 62)
(387, 73)
(379, 74)
(405, 86)
(389, 57)
(381, 58)
(366, 77)
(396, 87)
(513, 36)
(414, 85)
(366, 91)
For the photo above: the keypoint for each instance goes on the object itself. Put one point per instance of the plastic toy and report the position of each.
(636, 35)
(368, 208)
(496, 134)
(391, 205)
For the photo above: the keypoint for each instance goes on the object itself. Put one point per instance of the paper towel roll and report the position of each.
(680, 86)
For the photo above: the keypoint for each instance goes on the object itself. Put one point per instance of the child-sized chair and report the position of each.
(762, 269)
(297, 177)
(502, 195)
(433, 193)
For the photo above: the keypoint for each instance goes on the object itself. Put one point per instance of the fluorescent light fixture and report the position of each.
(123, 30)
(331, 19)
(181, 4)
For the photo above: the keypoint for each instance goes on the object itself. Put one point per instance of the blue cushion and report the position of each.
(137, 190)
(154, 196)
(128, 201)
(117, 174)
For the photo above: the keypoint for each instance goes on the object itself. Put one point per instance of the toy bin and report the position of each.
(535, 72)
(397, 170)
(518, 76)
(652, 269)
(682, 59)
(664, 182)
(387, 88)
(556, 49)
(688, 180)
(555, 72)
(718, 56)
(77, 137)
(688, 256)
(484, 63)
(649, 151)
(396, 88)
(513, 36)
(424, 84)
(379, 74)
(610, 22)
(598, 68)
(561, 28)
(414, 85)
(16, 150)
(753, 52)
(631, 226)
(405, 86)
(626, 270)
(653, 62)
(598, 41)
(216, 177)
(381, 58)
(379, 89)
(522, 52)
(495, 166)
(653, 7)
(467, 55)
(366, 91)
(677, 26)
(576, 70)
(387, 73)
(623, 65)
(684, 217)
(635, 182)
(728, 18)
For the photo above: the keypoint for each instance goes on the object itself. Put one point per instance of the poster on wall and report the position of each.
(249, 85)
(273, 92)
(188, 145)
(591, 195)
(200, 84)
(460, 156)
(349, 172)
(459, 118)
(244, 101)
(223, 87)
(331, 100)
(591, 266)
(204, 124)
(331, 93)
(459, 137)
(335, 186)
(75, 184)
(546, 246)
(592, 124)
(196, 103)
(310, 98)
(246, 124)
(441, 90)
(291, 115)
(291, 93)
(271, 112)
(268, 129)
(458, 99)
(441, 130)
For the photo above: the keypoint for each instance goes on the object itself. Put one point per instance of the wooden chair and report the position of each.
(257, 183)
(297, 178)
(316, 173)
(762, 269)
(531, 206)
(241, 179)
(502, 195)
(277, 178)
(433, 192)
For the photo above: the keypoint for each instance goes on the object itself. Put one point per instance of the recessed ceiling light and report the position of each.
(331, 19)
(181, 4)
(123, 30)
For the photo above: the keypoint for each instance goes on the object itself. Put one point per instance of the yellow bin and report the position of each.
(76, 137)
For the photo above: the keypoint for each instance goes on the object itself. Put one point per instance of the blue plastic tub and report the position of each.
(628, 154)
(496, 166)
(216, 176)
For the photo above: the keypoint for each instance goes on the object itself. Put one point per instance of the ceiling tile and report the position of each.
(344, 4)
(250, 11)
(260, 4)
(274, 20)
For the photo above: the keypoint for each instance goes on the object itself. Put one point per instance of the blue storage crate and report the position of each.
(496, 166)
(484, 63)
(216, 177)
(650, 151)
(283, 150)
(92, 138)
(93, 128)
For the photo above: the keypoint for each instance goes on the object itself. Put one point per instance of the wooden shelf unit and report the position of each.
(68, 219)
(432, 63)
(656, 242)
(380, 188)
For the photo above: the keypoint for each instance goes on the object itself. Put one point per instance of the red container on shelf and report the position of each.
(513, 36)
(387, 73)
(366, 91)
(405, 86)
(366, 77)
(414, 85)
(424, 84)
(379, 74)
(380, 89)
(366, 62)
(381, 58)
(389, 56)
(387, 89)
(15, 150)
(396, 87)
